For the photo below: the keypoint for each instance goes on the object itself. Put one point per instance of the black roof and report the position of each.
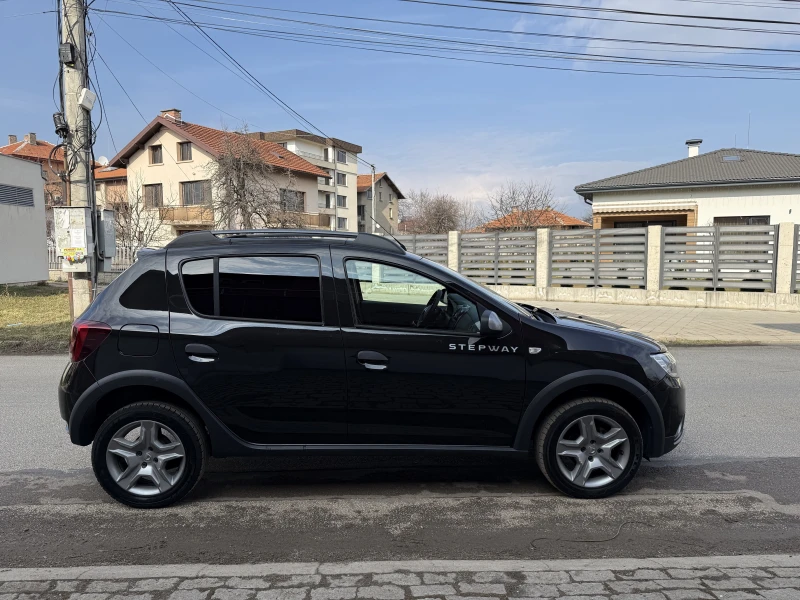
(206, 238)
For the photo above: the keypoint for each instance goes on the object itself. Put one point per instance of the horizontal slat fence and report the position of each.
(507, 258)
(719, 258)
(599, 258)
(431, 246)
(796, 256)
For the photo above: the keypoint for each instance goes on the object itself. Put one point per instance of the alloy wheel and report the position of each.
(593, 451)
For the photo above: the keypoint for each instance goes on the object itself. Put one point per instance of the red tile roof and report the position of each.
(110, 173)
(216, 141)
(365, 181)
(533, 219)
(38, 152)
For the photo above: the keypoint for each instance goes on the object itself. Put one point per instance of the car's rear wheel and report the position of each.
(589, 447)
(149, 454)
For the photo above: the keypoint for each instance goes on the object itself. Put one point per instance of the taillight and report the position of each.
(86, 337)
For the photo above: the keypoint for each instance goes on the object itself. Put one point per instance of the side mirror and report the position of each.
(491, 325)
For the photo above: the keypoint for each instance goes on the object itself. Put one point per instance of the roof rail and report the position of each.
(197, 238)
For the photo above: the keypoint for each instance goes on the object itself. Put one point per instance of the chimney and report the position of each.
(173, 114)
(694, 147)
(12, 139)
(31, 138)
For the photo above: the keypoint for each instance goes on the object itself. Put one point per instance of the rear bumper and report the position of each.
(75, 380)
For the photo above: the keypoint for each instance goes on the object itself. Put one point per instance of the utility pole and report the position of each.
(374, 219)
(78, 143)
(335, 191)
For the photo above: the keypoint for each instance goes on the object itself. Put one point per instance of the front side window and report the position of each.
(341, 156)
(392, 297)
(195, 193)
(156, 156)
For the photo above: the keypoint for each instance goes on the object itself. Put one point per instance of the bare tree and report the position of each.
(250, 192)
(429, 212)
(469, 215)
(521, 206)
(139, 222)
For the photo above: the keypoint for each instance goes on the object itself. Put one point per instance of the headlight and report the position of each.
(667, 362)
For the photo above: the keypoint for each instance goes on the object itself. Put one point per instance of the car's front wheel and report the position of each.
(149, 454)
(589, 447)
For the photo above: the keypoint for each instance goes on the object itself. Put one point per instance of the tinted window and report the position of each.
(198, 279)
(270, 288)
(147, 292)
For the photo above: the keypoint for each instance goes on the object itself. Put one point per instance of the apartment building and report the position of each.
(337, 193)
(170, 165)
(387, 197)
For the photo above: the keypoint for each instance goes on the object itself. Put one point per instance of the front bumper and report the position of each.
(670, 395)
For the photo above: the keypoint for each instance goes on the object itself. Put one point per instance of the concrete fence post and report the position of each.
(654, 258)
(454, 250)
(784, 258)
(542, 258)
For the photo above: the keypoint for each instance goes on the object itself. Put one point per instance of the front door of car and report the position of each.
(418, 369)
(259, 346)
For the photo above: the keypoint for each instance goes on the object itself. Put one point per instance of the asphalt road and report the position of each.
(733, 486)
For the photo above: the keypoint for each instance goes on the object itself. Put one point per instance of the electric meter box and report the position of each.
(73, 229)
(106, 240)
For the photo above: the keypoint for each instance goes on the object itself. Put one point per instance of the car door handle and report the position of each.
(374, 361)
(201, 353)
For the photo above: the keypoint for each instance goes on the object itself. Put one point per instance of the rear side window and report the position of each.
(198, 280)
(270, 288)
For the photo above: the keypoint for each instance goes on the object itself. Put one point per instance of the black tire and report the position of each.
(184, 425)
(555, 424)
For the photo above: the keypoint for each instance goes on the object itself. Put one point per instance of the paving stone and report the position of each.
(8, 596)
(629, 587)
(299, 580)
(145, 596)
(154, 585)
(680, 583)
(345, 580)
(201, 583)
(781, 582)
(432, 590)
(786, 571)
(575, 589)
(537, 590)
(397, 578)
(469, 598)
(88, 596)
(188, 595)
(693, 573)
(340, 593)
(547, 577)
(736, 595)
(430, 578)
(283, 594)
(592, 575)
(784, 594)
(740, 572)
(482, 589)
(31, 596)
(24, 586)
(492, 577)
(645, 574)
(381, 592)
(247, 583)
(735, 583)
(650, 596)
(67, 586)
(107, 586)
(688, 595)
(233, 594)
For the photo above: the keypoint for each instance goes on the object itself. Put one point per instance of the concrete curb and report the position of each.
(426, 566)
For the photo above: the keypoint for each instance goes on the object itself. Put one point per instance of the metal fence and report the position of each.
(719, 258)
(431, 246)
(599, 258)
(507, 258)
(123, 259)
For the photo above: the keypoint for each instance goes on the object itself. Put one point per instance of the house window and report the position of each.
(360, 211)
(391, 213)
(283, 145)
(759, 220)
(391, 198)
(293, 201)
(195, 193)
(380, 196)
(184, 151)
(156, 156)
(341, 156)
(341, 179)
(341, 223)
(369, 194)
(341, 201)
(153, 195)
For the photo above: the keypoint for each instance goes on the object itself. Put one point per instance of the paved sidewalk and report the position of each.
(677, 325)
(775, 577)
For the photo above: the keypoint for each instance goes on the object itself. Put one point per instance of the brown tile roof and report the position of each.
(365, 183)
(110, 173)
(215, 141)
(38, 152)
(533, 219)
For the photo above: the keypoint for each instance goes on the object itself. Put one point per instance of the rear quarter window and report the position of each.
(147, 292)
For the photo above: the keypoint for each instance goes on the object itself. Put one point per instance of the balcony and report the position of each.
(312, 156)
(188, 215)
(320, 221)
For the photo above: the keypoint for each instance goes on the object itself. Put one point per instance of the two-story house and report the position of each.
(170, 164)
(337, 193)
(387, 196)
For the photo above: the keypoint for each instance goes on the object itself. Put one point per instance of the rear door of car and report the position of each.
(255, 334)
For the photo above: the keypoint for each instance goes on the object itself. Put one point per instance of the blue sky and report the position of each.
(457, 127)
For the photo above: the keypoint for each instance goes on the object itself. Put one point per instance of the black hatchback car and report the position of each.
(250, 342)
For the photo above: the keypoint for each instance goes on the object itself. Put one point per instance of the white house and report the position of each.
(732, 186)
(22, 222)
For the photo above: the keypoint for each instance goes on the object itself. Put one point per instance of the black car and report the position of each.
(249, 342)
